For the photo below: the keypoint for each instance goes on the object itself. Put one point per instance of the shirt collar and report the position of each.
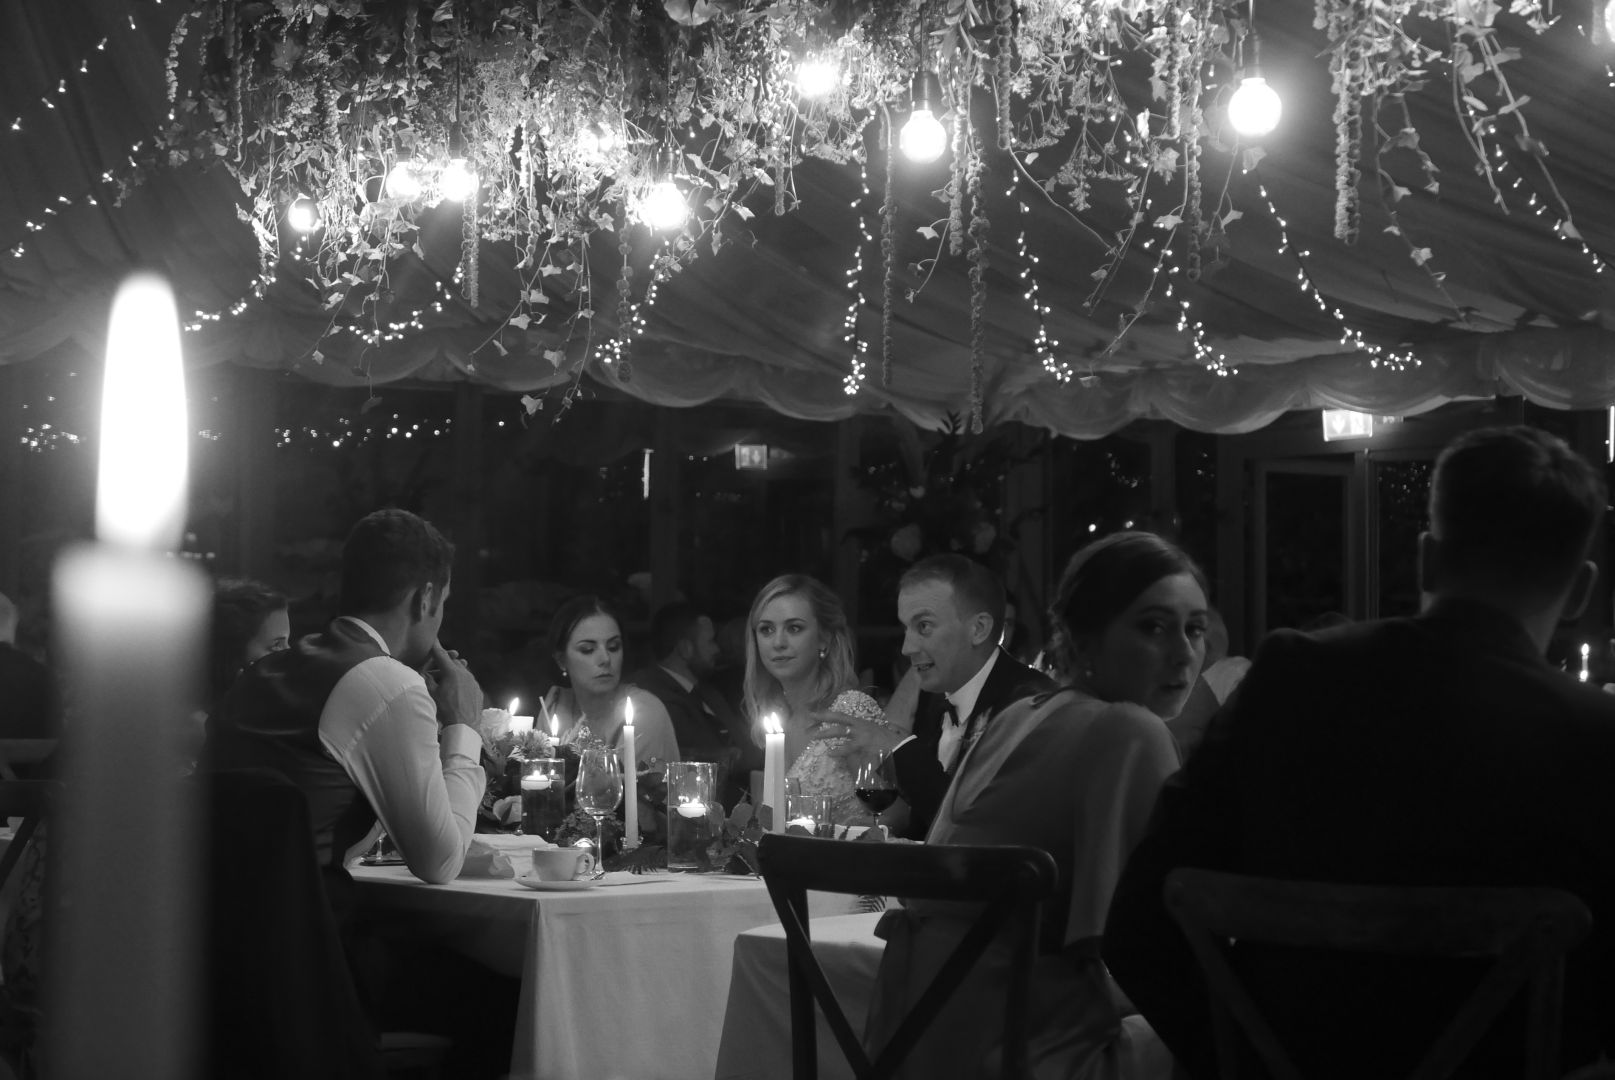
(687, 684)
(963, 699)
(371, 630)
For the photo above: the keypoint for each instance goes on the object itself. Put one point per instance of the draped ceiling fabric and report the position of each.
(1523, 311)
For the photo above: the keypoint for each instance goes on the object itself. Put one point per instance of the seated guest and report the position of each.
(952, 610)
(28, 700)
(1073, 772)
(586, 639)
(686, 651)
(372, 718)
(250, 620)
(799, 667)
(1437, 749)
(1217, 680)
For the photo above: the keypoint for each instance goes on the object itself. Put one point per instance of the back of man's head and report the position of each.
(388, 556)
(672, 624)
(1514, 510)
(975, 588)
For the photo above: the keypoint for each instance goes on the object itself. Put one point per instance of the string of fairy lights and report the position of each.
(1562, 226)
(858, 361)
(1043, 346)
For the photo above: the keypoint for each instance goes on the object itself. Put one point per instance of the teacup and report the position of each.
(562, 863)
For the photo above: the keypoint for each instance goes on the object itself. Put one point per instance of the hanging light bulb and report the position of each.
(664, 207)
(1255, 108)
(458, 182)
(303, 214)
(923, 137)
(816, 78)
(404, 182)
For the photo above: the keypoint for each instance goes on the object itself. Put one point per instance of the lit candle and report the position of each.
(519, 725)
(804, 823)
(1586, 650)
(692, 809)
(630, 780)
(536, 781)
(774, 771)
(131, 623)
(550, 722)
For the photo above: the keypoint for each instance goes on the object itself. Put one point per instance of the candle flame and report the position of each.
(771, 724)
(515, 701)
(628, 712)
(141, 478)
(1585, 649)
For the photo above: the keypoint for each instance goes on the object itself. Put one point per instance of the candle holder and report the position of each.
(543, 790)
(808, 814)
(694, 815)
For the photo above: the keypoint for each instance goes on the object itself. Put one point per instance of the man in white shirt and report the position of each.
(952, 610)
(372, 718)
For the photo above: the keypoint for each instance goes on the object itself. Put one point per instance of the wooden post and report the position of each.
(1162, 438)
(463, 613)
(664, 510)
(252, 440)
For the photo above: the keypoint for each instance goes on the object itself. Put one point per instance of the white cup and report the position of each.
(562, 863)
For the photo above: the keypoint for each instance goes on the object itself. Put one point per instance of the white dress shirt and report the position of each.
(425, 784)
(963, 701)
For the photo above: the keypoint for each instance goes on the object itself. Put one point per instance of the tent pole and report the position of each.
(664, 510)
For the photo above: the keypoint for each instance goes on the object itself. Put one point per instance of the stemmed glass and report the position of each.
(599, 791)
(874, 786)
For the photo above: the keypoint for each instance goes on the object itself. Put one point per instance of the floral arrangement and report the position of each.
(657, 129)
(733, 849)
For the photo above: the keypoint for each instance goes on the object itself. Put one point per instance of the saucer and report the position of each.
(528, 881)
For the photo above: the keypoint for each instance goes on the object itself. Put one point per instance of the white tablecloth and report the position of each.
(622, 981)
(757, 1024)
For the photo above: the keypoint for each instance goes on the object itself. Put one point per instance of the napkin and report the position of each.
(500, 855)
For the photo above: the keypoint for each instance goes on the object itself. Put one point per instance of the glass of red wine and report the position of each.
(874, 786)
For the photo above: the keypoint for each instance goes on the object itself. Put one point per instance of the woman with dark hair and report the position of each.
(799, 665)
(586, 643)
(250, 620)
(1076, 773)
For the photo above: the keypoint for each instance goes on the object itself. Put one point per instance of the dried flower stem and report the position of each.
(978, 292)
(888, 252)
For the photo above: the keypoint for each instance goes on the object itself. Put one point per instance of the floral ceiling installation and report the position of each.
(643, 133)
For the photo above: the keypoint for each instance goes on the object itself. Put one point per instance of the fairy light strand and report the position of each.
(1043, 346)
(857, 363)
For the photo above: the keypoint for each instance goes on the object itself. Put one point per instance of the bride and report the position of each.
(799, 664)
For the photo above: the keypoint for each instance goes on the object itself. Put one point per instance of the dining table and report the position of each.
(627, 979)
(756, 1042)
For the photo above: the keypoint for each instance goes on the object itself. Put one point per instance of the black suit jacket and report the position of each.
(920, 776)
(1436, 750)
(704, 724)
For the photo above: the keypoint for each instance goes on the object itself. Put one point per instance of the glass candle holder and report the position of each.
(809, 813)
(543, 787)
(693, 814)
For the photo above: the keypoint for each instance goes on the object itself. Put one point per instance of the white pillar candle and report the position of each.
(774, 771)
(630, 780)
(131, 630)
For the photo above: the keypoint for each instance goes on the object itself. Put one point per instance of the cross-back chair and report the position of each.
(1010, 882)
(1525, 931)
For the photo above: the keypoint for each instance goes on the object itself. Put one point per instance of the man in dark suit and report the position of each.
(1440, 749)
(952, 610)
(707, 727)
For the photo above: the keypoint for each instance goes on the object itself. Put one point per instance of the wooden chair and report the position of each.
(29, 800)
(1011, 882)
(23, 752)
(1525, 931)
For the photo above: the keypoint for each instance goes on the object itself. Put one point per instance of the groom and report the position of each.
(952, 610)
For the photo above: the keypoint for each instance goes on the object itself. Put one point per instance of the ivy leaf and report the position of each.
(521, 322)
(317, 356)
(369, 403)
(1251, 158)
(537, 296)
(499, 345)
(1398, 193)
(531, 404)
(1421, 255)
(549, 270)
(1517, 103)
(556, 357)
(927, 232)
(745, 214)
(1569, 231)
(1168, 221)
(1231, 217)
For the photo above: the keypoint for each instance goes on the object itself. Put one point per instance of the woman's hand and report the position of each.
(860, 739)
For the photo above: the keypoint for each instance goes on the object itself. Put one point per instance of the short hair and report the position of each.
(389, 555)
(240, 606)
(1104, 577)
(671, 624)
(975, 588)
(1514, 504)
(836, 672)
(574, 611)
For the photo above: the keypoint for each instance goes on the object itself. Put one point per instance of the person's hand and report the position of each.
(860, 739)
(453, 688)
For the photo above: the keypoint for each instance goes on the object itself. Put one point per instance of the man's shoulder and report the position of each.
(1010, 679)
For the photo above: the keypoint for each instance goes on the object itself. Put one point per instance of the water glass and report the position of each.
(694, 815)
(599, 791)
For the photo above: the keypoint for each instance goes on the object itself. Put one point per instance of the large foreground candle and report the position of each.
(774, 771)
(130, 625)
(630, 780)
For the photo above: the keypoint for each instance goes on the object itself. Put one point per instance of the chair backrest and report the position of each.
(1525, 931)
(281, 997)
(1010, 882)
(29, 800)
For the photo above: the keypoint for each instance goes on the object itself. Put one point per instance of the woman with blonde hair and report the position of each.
(799, 665)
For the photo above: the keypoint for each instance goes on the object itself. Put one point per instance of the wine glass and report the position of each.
(874, 786)
(599, 791)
